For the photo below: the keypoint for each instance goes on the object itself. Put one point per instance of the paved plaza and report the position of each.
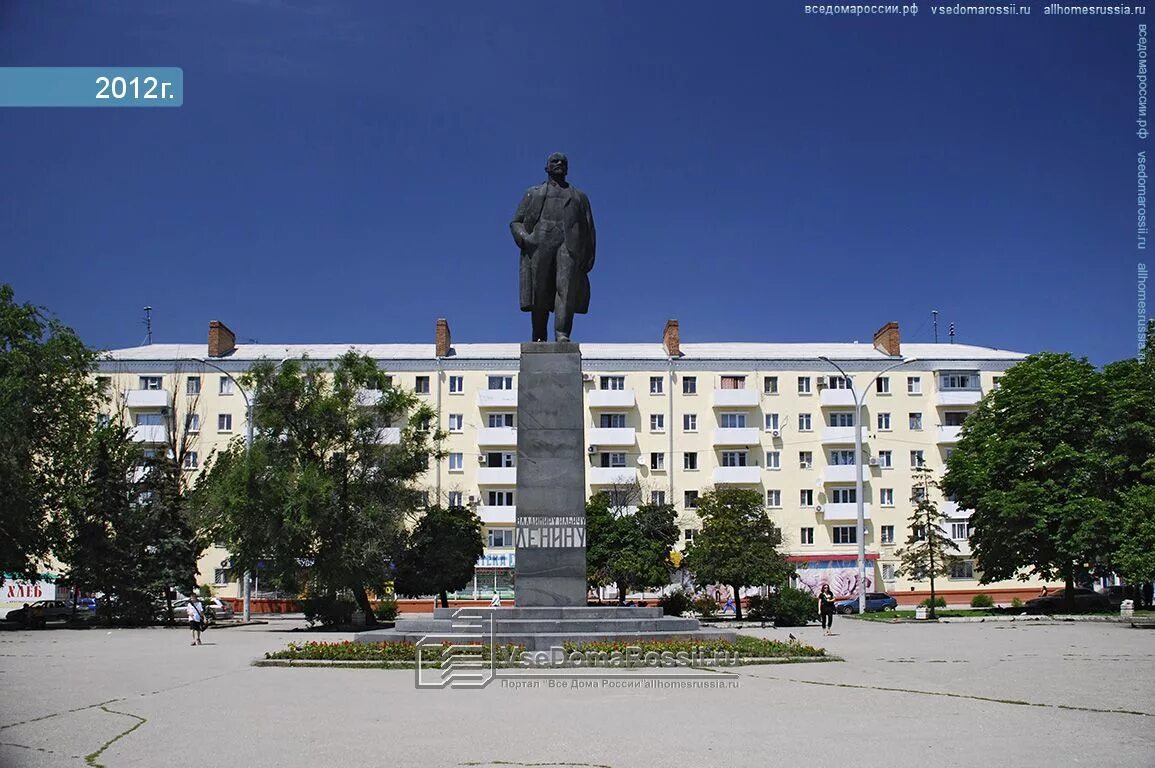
(1008, 694)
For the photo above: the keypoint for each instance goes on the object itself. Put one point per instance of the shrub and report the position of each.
(939, 602)
(704, 605)
(982, 601)
(746, 646)
(353, 651)
(676, 603)
(759, 608)
(1016, 602)
(328, 610)
(385, 610)
(793, 607)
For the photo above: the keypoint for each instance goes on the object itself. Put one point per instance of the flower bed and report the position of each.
(747, 647)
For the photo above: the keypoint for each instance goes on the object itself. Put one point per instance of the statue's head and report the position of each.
(557, 166)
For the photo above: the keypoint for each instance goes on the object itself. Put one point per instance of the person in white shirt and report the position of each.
(196, 619)
(496, 601)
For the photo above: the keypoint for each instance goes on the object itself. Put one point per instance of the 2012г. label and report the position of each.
(119, 88)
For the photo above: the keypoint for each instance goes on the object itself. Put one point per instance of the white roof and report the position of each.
(690, 351)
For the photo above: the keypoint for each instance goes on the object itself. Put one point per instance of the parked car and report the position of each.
(215, 609)
(875, 601)
(1086, 600)
(43, 611)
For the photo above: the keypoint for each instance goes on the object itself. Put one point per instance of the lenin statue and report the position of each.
(554, 228)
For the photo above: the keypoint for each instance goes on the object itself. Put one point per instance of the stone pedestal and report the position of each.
(551, 460)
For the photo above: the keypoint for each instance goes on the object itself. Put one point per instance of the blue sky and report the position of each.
(347, 171)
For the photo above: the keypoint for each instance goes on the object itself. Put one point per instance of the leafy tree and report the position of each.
(738, 543)
(929, 552)
(324, 493)
(1030, 465)
(440, 554)
(629, 548)
(1135, 550)
(48, 410)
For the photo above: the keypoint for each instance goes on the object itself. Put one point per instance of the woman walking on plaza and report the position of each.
(826, 608)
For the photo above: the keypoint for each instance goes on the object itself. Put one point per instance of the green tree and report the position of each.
(324, 493)
(929, 552)
(1135, 547)
(628, 547)
(738, 544)
(440, 554)
(1030, 465)
(48, 412)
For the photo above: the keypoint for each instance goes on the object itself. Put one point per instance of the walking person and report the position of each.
(826, 608)
(196, 619)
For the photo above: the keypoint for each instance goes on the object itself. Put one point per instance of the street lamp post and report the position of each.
(860, 502)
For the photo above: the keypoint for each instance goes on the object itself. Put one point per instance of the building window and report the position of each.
(221, 577)
(690, 422)
(804, 422)
(886, 533)
(497, 420)
(917, 494)
(947, 453)
(886, 497)
(838, 382)
(733, 382)
(150, 382)
(500, 537)
(733, 458)
(612, 421)
(455, 498)
(226, 386)
(192, 422)
(456, 422)
(499, 459)
(149, 420)
(657, 422)
(773, 460)
(882, 385)
(916, 421)
(658, 461)
(773, 497)
(770, 385)
(690, 460)
(192, 385)
(423, 498)
(689, 385)
(421, 385)
(884, 422)
(805, 459)
(995, 381)
(456, 462)
(845, 534)
(688, 534)
(842, 419)
(917, 459)
(732, 420)
(888, 571)
(806, 498)
(500, 499)
(616, 383)
(771, 422)
(613, 459)
(960, 531)
(841, 457)
(691, 499)
(954, 418)
(191, 460)
(658, 498)
(456, 385)
(656, 385)
(806, 535)
(886, 459)
(914, 385)
(958, 381)
(962, 569)
(499, 382)
(224, 422)
(103, 419)
(844, 495)
(804, 385)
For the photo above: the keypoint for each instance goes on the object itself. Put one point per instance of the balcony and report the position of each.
(614, 436)
(951, 509)
(959, 397)
(497, 515)
(737, 475)
(498, 436)
(836, 398)
(150, 433)
(948, 434)
(737, 436)
(838, 435)
(496, 475)
(842, 512)
(497, 398)
(735, 398)
(845, 473)
(389, 436)
(147, 398)
(611, 475)
(611, 398)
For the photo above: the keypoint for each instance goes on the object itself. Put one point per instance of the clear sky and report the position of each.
(346, 171)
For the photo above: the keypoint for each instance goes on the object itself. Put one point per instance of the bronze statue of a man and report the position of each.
(554, 228)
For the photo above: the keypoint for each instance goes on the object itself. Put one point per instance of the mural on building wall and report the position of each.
(841, 575)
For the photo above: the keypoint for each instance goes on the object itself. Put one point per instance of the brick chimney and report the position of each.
(671, 340)
(443, 340)
(886, 340)
(222, 341)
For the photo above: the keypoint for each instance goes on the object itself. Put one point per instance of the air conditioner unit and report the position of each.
(775, 433)
(482, 459)
(804, 464)
(818, 508)
(472, 499)
(592, 449)
(587, 377)
(873, 461)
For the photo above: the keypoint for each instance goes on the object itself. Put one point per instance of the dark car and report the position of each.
(43, 611)
(1086, 600)
(875, 601)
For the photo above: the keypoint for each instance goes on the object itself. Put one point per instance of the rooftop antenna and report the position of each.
(934, 313)
(951, 333)
(148, 325)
